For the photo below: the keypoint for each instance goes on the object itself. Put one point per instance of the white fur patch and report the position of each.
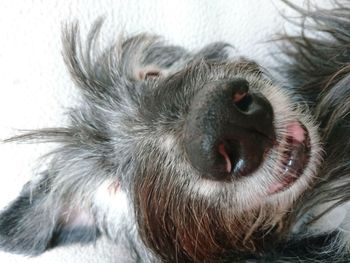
(111, 206)
(167, 143)
(332, 220)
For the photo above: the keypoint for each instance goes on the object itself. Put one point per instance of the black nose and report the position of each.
(229, 129)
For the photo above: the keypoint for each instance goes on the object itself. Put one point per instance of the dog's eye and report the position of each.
(152, 75)
(149, 74)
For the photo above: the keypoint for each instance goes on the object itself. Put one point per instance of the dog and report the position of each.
(197, 156)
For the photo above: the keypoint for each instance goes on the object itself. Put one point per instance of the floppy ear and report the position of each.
(217, 51)
(30, 225)
(147, 56)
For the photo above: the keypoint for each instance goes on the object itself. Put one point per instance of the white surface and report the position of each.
(35, 86)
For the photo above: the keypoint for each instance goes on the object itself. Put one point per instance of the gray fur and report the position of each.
(126, 138)
(98, 143)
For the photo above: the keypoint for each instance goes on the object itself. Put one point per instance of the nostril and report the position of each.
(238, 96)
(223, 152)
(229, 153)
(240, 93)
(243, 101)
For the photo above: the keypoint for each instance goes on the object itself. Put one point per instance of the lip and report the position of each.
(294, 158)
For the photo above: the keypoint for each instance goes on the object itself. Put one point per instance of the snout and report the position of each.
(229, 129)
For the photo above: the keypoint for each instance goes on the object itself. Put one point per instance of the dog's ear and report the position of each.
(32, 223)
(217, 51)
(147, 57)
(136, 58)
(221, 52)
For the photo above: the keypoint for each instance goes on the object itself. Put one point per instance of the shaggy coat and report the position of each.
(137, 161)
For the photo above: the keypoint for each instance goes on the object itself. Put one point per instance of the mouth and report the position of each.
(294, 158)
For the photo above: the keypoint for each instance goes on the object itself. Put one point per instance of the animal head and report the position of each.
(197, 155)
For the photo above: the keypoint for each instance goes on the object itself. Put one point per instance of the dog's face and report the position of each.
(210, 153)
(227, 154)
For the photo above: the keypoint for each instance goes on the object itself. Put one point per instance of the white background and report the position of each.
(35, 88)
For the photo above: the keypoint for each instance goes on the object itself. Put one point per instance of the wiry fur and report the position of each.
(121, 169)
(318, 69)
